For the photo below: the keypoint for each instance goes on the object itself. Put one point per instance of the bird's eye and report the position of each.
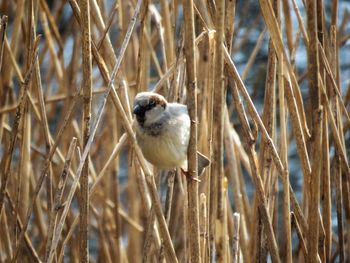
(152, 104)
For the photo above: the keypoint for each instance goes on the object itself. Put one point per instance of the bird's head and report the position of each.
(149, 107)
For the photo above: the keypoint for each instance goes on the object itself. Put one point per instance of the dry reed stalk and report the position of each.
(201, 8)
(3, 25)
(234, 180)
(274, 30)
(313, 66)
(288, 23)
(300, 235)
(336, 132)
(7, 72)
(211, 180)
(7, 158)
(108, 26)
(300, 21)
(333, 84)
(57, 62)
(24, 164)
(232, 71)
(168, 32)
(52, 22)
(192, 184)
(313, 220)
(269, 121)
(203, 104)
(87, 98)
(148, 236)
(143, 54)
(269, 111)
(39, 211)
(133, 250)
(32, 252)
(12, 62)
(185, 211)
(6, 242)
(37, 82)
(336, 128)
(115, 152)
(235, 238)
(262, 206)
(326, 191)
(216, 173)
(161, 36)
(297, 130)
(58, 198)
(203, 217)
(339, 204)
(106, 47)
(230, 23)
(169, 196)
(105, 254)
(284, 157)
(224, 231)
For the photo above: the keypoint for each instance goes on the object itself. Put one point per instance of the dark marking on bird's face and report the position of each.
(146, 101)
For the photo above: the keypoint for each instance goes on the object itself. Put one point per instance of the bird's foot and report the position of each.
(187, 174)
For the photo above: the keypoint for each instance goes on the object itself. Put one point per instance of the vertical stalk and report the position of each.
(284, 147)
(168, 38)
(193, 216)
(211, 186)
(289, 25)
(87, 97)
(235, 246)
(238, 195)
(339, 207)
(337, 128)
(313, 64)
(216, 209)
(326, 191)
(203, 226)
(115, 198)
(229, 23)
(3, 25)
(321, 70)
(313, 219)
(261, 197)
(58, 198)
(143, 54)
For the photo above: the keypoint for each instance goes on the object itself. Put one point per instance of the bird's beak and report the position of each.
(138, 110)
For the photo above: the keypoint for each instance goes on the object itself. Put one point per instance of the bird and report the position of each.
(163, 131)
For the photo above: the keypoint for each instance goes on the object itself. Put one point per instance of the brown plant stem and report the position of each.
(87, 98)
(192, 184)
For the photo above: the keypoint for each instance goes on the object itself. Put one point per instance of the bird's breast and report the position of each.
(165, 148)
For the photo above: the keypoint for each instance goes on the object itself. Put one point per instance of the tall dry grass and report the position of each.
(74, 186)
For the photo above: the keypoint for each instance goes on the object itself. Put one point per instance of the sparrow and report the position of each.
(163, 132)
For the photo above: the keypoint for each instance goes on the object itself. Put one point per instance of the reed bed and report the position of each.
(74, 185)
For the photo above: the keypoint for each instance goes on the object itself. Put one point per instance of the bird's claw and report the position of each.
(187, 174)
